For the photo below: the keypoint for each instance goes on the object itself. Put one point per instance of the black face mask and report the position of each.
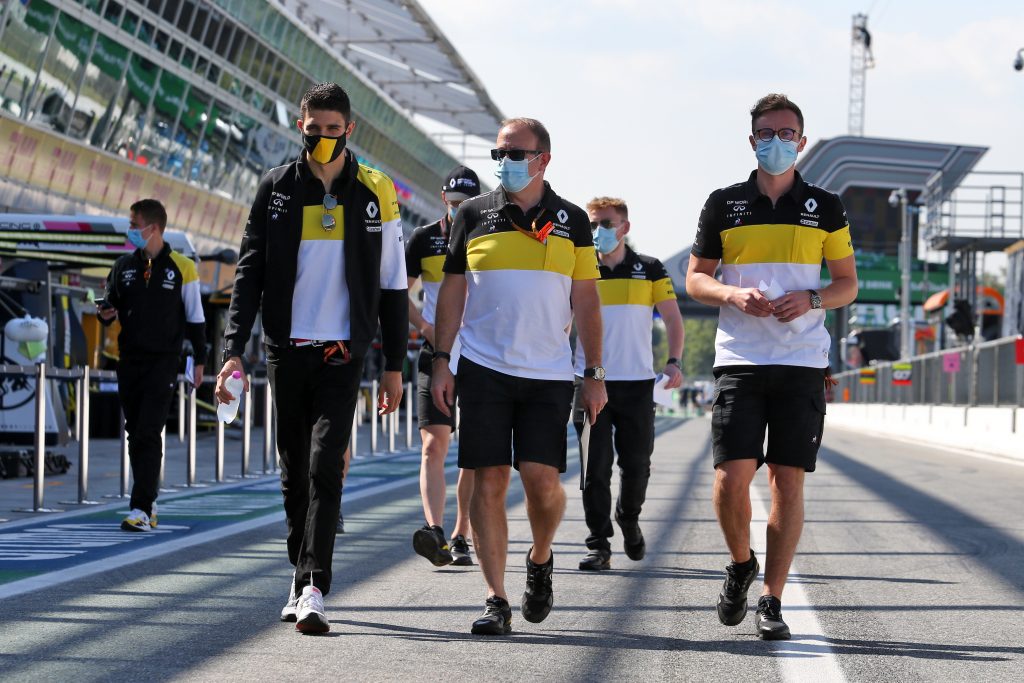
(322, 148)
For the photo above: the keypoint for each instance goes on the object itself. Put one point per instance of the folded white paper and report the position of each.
(663, 396)
(775, 291)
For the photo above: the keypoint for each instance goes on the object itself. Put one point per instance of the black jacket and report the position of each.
(374, 259)
(157, 312)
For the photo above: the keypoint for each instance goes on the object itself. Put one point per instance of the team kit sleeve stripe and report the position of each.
(838, 244)
(392, 257)
(585, 266)
(773, 243)
(662, 290)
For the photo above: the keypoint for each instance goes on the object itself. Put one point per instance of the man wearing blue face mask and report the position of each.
(773, 229)
(520, 265)
(424, 259)
(632, 286)
(154, 293)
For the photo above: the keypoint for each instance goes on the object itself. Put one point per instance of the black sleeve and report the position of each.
(196, 333)
(394, 327)
(249, 275)
(414, 252)
(656, 270)
(455, 260)
(708, 243)
(110, 291)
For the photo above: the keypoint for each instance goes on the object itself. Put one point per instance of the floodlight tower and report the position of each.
(861, 59)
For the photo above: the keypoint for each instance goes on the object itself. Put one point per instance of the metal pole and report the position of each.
(38, 483)
(83, 441)
(246, 429)
(354, 438)
(392, 421)
(163, 459)
(181, 411)
(268, 428)
(190, 467)
(373, 417)
(906, 253)
(408, 415)
(218, 466)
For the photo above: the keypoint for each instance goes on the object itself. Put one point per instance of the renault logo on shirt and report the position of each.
(372, 210)
(811, 204)
(562, 216)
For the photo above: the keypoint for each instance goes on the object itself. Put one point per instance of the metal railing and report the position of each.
(982, 374)
(390, 426)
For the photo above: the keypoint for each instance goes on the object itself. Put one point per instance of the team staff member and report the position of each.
(768, 374)
(154, 293)
(520, 262)
(631, 285)
(424, 258)
(322, 260)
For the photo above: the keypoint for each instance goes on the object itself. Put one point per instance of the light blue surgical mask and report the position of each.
(514, 175)
(136, 238)
(605, 240)
(451, 214)
(776, 156)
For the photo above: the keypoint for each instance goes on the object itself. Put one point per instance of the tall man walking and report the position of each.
(322, 261)
(154, 294)
(424, 259)
(520, 263)
(771, 356)
(632, 286)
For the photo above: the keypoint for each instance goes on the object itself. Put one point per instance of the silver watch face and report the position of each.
(599, 373)
(815, 300)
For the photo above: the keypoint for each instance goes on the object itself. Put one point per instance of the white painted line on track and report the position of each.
(991, 457)
(50, 579)
(807, 657)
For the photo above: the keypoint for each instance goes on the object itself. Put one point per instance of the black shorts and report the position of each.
(427, 414)
(507, 420)
(788, 401)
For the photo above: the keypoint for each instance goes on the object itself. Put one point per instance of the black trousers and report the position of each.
(315, 403)
(626, 427)
(145, 386)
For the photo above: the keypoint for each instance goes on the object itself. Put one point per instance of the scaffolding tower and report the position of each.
(861, 59)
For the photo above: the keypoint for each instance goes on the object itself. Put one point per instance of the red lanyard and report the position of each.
(539, 235)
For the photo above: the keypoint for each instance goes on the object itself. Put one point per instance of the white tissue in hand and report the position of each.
(775, 291)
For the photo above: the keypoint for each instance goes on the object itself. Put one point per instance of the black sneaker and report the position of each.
(596, 560)
(460, 552)
(340, 529)
(632, 539)
(770, 625)
(429, 542)
(732, 601)
(538, 598)
(496, 619)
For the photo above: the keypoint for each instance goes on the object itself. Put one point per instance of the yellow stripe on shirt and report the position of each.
(432, 267)
(777, 243)
(624, 292)
(312, 223)
(515, 251)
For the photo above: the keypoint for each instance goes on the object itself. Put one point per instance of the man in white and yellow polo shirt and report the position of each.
(632, 287)
(520, 264)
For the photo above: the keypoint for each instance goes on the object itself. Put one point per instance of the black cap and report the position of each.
(461, 184)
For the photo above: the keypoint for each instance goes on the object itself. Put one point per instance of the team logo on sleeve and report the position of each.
(373, 223)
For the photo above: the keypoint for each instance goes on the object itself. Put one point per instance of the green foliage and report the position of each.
(699, 348)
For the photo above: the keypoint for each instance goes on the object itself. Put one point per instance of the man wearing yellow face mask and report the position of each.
(322, 260)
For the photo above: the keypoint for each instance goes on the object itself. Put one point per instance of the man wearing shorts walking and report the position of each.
(770, 232)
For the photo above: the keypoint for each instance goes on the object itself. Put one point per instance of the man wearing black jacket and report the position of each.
(322, 260)
(154, 293)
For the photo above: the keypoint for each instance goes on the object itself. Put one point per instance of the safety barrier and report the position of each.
(83, 379)
(984, 374)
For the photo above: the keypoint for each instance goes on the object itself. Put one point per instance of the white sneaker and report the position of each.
(310, 617)
(137, 520)
(291, 608)
(152, 517)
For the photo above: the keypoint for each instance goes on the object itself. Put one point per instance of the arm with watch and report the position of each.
(840, 292)
(673, 319)
(586, 306)
(451, 302)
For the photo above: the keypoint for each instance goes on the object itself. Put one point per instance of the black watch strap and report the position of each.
(443, 355)
(673, 361)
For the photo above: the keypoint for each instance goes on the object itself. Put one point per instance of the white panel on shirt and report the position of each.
(320, 302)
(626, 351)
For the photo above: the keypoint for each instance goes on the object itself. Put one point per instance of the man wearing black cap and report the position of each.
(424, 258)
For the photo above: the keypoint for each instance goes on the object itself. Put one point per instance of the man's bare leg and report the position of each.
(490, 525)
(731, 498)
(463, 496)
(545, 505)
(785, 524)
(435, 440)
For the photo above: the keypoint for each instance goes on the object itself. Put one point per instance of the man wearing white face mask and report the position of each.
(775, 227)
(520, 263)
(632, 285)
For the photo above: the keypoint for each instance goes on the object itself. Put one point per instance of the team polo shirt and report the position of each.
(629, 292)
(517, 308)
(320, 300)
(424, 258)
(757, 242)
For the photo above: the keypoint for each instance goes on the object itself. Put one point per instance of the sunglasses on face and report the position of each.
(785, 134)
(327, 222)
(513, 154)
(606, 223)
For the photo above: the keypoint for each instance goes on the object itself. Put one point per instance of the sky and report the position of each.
(649, 100)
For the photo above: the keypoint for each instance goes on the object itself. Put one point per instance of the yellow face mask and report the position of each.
(323, 149)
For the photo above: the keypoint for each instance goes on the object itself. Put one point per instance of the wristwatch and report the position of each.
(443, 355)
(675, 362)
(815, 299)
(596, 372)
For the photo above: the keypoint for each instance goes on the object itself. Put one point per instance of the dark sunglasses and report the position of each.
(330, 203)
(513, 154)
(606, 223)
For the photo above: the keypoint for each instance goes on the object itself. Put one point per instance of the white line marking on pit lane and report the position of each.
(1004, 459)
(807, 657)
(50, 579)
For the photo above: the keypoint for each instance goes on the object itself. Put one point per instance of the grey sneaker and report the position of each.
(291, 608)
(311, 617)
